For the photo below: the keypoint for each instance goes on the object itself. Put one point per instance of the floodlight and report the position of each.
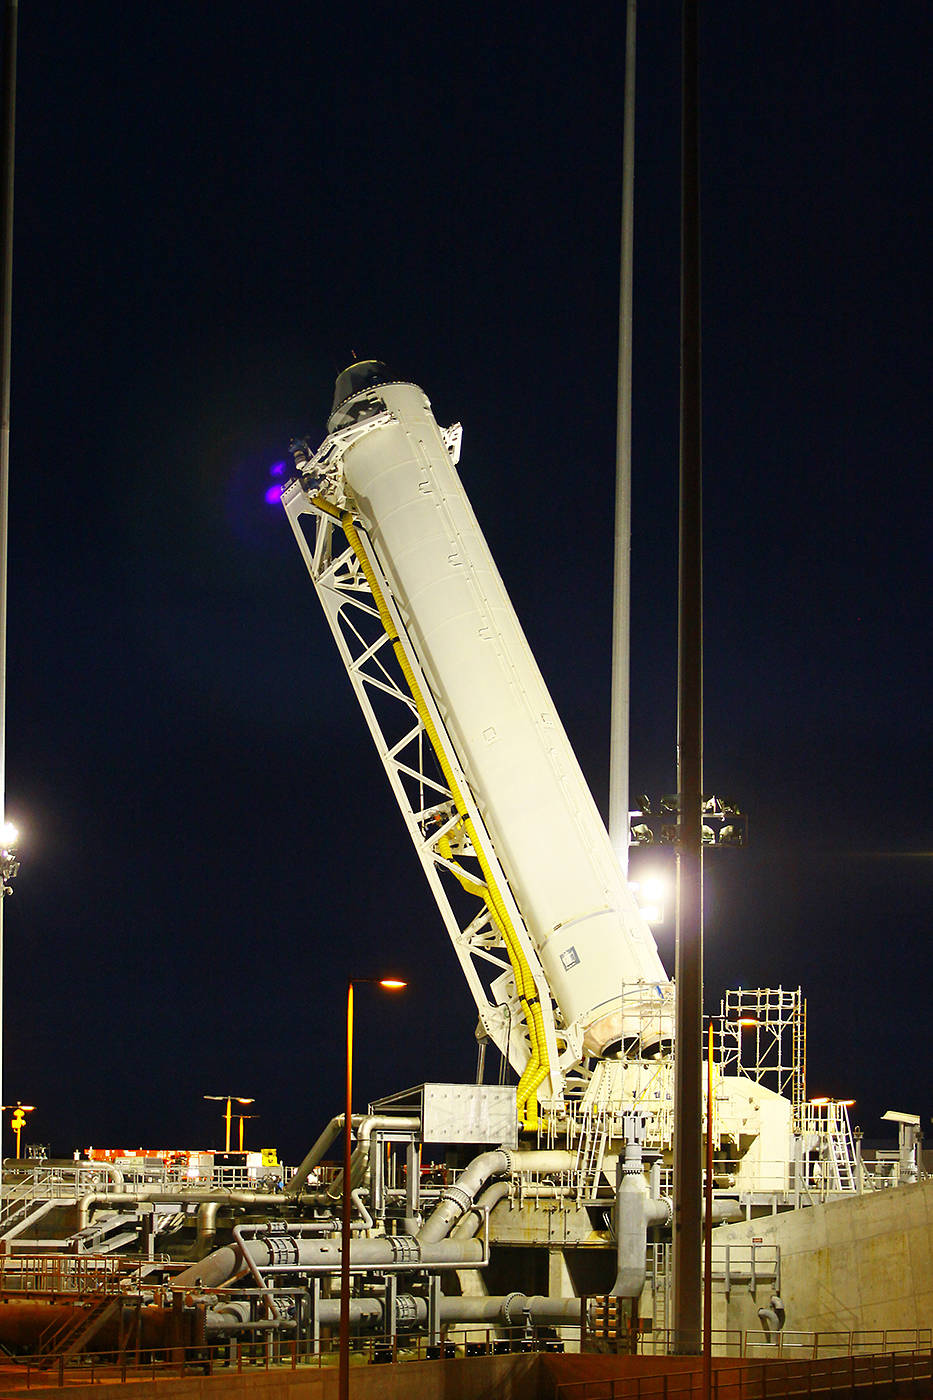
(654, 888)
(642, 835)
(8, 835)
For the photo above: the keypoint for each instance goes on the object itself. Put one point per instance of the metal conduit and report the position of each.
(509, 1310)
(287, 1253)
(365, 1125)
(459, 1197)
(360, 1161)
(487, 1200)
(233, 1198)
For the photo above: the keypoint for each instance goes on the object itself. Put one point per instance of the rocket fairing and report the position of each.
(597, 951)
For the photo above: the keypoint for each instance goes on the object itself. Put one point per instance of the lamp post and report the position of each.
(741, 1024)
(229, 1100)
(19, 1117)
(391, 984)
(708, 1224)
(243, 1117)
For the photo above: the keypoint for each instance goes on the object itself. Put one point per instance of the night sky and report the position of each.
(216, 208)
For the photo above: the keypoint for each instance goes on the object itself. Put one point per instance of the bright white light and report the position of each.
(655, 889)
(8, 835)
(652, 913)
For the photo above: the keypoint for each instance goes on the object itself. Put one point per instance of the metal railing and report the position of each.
(71, 1274)
(760, 1380)
(735, 1379)
(793, 1345)
(227, 1358)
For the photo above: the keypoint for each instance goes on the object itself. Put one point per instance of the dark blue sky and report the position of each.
(215, 208)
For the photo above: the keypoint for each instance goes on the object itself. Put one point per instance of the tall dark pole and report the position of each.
(708, 1222)
(619, 714)
(6, 320)
(343, 1367)
(688, 1085)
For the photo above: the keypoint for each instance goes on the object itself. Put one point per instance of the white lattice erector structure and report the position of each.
(423, 795)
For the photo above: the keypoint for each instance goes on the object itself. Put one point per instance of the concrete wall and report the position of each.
(866, 1262)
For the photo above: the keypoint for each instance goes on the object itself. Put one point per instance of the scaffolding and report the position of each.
(763, 1035)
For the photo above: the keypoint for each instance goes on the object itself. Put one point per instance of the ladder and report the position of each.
(63, 1340)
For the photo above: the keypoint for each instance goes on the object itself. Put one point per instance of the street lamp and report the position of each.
(243, 1117)
(19, 1117)
(743, 1023)
(228, 1099)
(391, 984)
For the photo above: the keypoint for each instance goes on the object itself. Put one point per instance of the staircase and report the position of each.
(107, 1233)
(23, 1204)
(63, 1339)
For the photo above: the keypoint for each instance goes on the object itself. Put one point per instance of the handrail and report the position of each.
(759, 1380)
(742, 1380)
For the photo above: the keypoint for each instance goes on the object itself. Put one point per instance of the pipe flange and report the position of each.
(668, 1203)
(283, 1249)
(406, 1310)
(507, 1317)
(405, 1249)
(457, 1197)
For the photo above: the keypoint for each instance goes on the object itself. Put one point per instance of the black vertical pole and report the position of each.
(7, 145)
(619, 715)
(688, 1087)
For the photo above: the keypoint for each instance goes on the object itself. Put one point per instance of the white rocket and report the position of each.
(387, 464)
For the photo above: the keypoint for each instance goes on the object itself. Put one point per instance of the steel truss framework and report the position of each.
(447, 857)
(763, 1035)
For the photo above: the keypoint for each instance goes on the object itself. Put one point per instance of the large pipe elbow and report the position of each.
(632, 1204)
(458, 1198)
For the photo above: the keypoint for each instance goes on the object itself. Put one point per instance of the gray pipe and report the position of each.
(365, 1125)
(469, 1223)
(631, 1223)
(458, 1198)
(508, 1310)
(232, 1198)
(366, 1220)
(313, 1256)
(311, 1159)
(107, 1168)
(360, 1158)
(207, 1225)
